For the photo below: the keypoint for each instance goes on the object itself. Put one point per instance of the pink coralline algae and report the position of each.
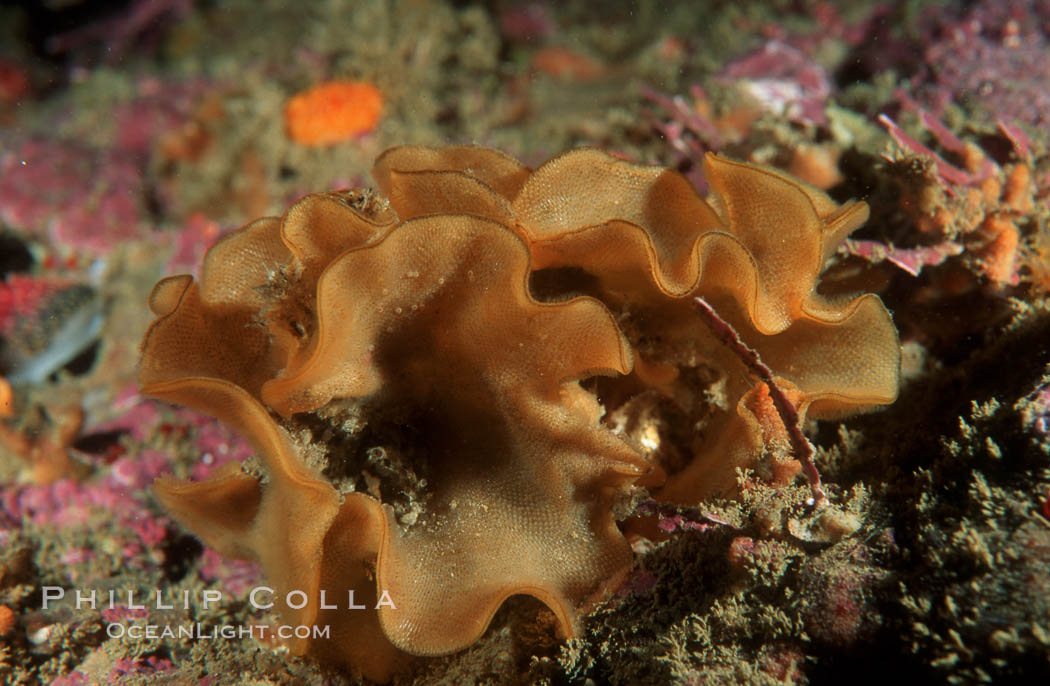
(123, 667)
(142, 418)
(948, 172)
(673, 518)
(142, 121)
(1035, 411)
(117, 496)
(191, 242)
(995, 56)
(778, 78)
(689, 134)
(910, 260)
(980, 205)
(784, 81)
(159, 109)
(122, 613)
(640, 582)
(236, 577)
(81, 199)
(137, 416)
(217, 445)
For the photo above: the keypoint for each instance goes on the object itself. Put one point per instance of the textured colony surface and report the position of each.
(451, 383)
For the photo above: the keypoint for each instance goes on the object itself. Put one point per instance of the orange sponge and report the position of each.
(333, 112)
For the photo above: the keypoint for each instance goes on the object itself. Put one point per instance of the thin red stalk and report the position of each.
(801, 446)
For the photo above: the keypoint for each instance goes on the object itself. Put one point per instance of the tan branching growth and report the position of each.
(449, 320)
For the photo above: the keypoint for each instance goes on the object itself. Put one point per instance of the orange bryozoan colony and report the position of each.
(419, 370)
